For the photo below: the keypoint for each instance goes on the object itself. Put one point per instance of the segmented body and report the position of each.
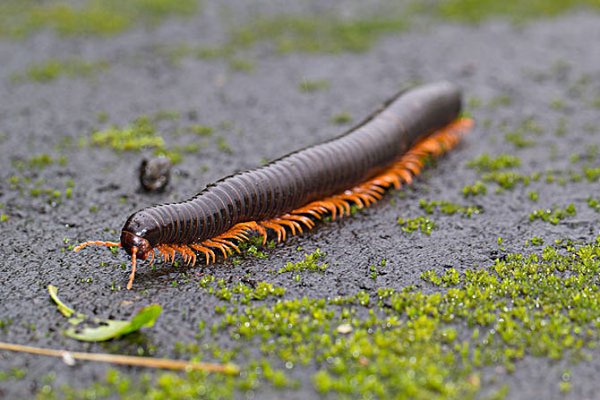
(385, 150)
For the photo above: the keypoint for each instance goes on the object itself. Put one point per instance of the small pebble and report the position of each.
(155, 173)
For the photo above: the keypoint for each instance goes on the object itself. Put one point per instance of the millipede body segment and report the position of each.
(289, 194)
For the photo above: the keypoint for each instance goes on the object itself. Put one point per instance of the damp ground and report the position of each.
(479, 280)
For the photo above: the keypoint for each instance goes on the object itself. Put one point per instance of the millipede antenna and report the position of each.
(96, 243)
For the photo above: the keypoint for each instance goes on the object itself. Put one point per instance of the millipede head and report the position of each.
(134, 244)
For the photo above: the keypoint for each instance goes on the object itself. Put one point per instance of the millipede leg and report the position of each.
(228, 245)
(311, 209)
(254, 226)
(293, 225)
(300, 218)
(280, 230)
(208, 253)
(189, 257)
(217, 245)
(167, 252)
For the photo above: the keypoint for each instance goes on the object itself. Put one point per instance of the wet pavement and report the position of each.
(545, 71)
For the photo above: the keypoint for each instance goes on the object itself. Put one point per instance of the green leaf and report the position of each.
(103, 329)
(62, 307)
(110, 329)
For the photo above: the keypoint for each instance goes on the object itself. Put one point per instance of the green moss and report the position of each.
(476, 189)
(20, 18)
(449, 208)
(554, 216)
(591, 174)
(239, 293)
(26, 184)
(166, 115)
(395, 343)
(5, 323)
(474, 102)
(564, 387)
(557, 104)
(3, 217)
(561, 127)
(508, 179)
(240, 64)
(537, 241)
(310, 263)
(424, 224)
(144, 133)
(102, 117)
(593, 203)
(200, 130)
(316, 33)
(223, 145)
(518, 139)
(474, 11)
(40, 161)
(451, 277)
(341, 118)
(141, 134)
(533, 195)
(50, 70)
(487, 163)
(502, 100)
(13, 374)
(310, 86)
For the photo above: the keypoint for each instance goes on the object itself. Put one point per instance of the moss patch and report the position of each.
(448, 208)
(398, 343)
(554, 216)
(53, 69)
(324, 33)
(487, 163)
(316, 34)
(328, 33)
(313, 85)
(158, 131)
(310, 263)
(20, 18)
(473, 11)
(423, 224)
(141, 134)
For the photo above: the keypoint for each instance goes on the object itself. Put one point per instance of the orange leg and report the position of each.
(311, 209)
(228, 244)
(353, 197)
(293, 225)
(167, 252)
(189, 257)
(217, 245)
(280, 230)
(208, 253)
(254, 226)
(300, 218)
(326, 205)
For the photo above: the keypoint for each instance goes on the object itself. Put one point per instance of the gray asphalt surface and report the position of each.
(268, 117)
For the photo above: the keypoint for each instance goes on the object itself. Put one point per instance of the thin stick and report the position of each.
(164, 363)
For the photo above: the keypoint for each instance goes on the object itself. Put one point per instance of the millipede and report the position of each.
(290, 194)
